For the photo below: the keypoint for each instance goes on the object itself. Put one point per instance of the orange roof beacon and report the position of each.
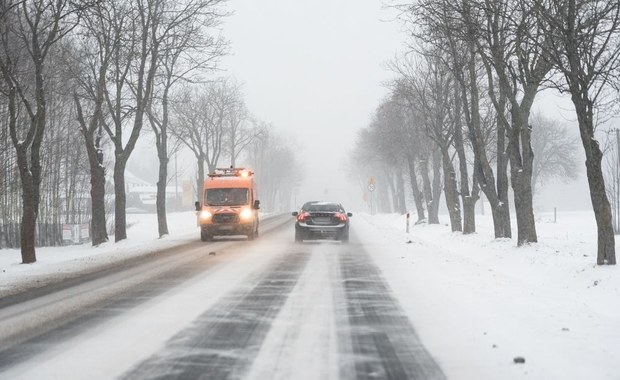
(229, 205)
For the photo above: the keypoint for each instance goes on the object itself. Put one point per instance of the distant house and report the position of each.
(142, 195)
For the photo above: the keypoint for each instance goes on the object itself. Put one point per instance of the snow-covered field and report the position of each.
(476, 302)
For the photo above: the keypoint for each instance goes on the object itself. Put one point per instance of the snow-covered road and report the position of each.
(378, 307)
(268, 309)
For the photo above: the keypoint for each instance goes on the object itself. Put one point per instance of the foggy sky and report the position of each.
(315, 70)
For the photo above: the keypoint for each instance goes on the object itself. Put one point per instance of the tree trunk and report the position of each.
(392, 206)
(29, 216)
(200, 180)
(451, 193)
(521, 158)
(502, 173)
(97, 191)
(606, 253)
(606, 248)
(417, 194)
(161, 142)
(498, 208)
(482, 171)
(468, 198)
(97, 194)
(29, 210)
(526, 225)
(469, 214)
(98, 226)
(120, 199)
(400, 189)
(162, 223)
(433, 217)
(433, 210)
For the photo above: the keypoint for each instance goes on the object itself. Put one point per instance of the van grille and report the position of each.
(225, 218)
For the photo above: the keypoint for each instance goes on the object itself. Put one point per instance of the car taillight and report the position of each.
(301, 217)
(341, 217)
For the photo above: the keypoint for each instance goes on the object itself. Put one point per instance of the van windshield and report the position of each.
(226, 197)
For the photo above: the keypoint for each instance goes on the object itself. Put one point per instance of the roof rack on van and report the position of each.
(231, 172)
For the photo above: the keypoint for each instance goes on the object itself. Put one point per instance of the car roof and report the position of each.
(321, 203)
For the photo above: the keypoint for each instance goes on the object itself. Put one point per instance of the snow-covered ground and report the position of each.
(476, 302)
(142, 238)
(479, 303)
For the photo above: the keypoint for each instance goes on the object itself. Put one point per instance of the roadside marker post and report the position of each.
(407, 229)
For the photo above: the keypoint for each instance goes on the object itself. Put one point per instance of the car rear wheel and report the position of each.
(299, 237)
(345, 237)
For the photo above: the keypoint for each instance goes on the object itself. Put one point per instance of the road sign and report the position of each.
(371, 184)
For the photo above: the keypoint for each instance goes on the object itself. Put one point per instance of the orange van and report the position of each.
(229, 205)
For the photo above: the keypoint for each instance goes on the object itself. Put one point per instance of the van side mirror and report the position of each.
(294, 213)
(256, 204)
(197, 205)
(349, 214)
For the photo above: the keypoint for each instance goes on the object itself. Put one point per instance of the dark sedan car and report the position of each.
(322, 220)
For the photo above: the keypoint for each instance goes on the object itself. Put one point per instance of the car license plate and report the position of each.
(225, 228)
(322, 220)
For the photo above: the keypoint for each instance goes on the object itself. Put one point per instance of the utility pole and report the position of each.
(176, 184)
(617, 200)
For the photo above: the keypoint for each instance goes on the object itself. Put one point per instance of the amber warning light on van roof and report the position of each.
(231, 172)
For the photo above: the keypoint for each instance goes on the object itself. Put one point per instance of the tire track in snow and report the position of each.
(302, 341)
(382, 342)
(223, 342)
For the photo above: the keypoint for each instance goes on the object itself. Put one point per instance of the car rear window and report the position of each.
(330, 207)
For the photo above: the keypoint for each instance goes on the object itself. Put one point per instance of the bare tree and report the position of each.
(189, 127)
(554, 152)
(186, 50)
(505, 31)
(278, 172)
(28, 31)
(241, 130)
(584, 46)
(222, 101)
(134, 66)
(428, 91)
(64, 180)
(499, 34)
(201, 115)
(10, 186)
(102, 33)
(388, 148)
(404, 138)
(438, 26)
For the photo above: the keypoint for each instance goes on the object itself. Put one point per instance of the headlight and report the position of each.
(204, 215)
(246, 214)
